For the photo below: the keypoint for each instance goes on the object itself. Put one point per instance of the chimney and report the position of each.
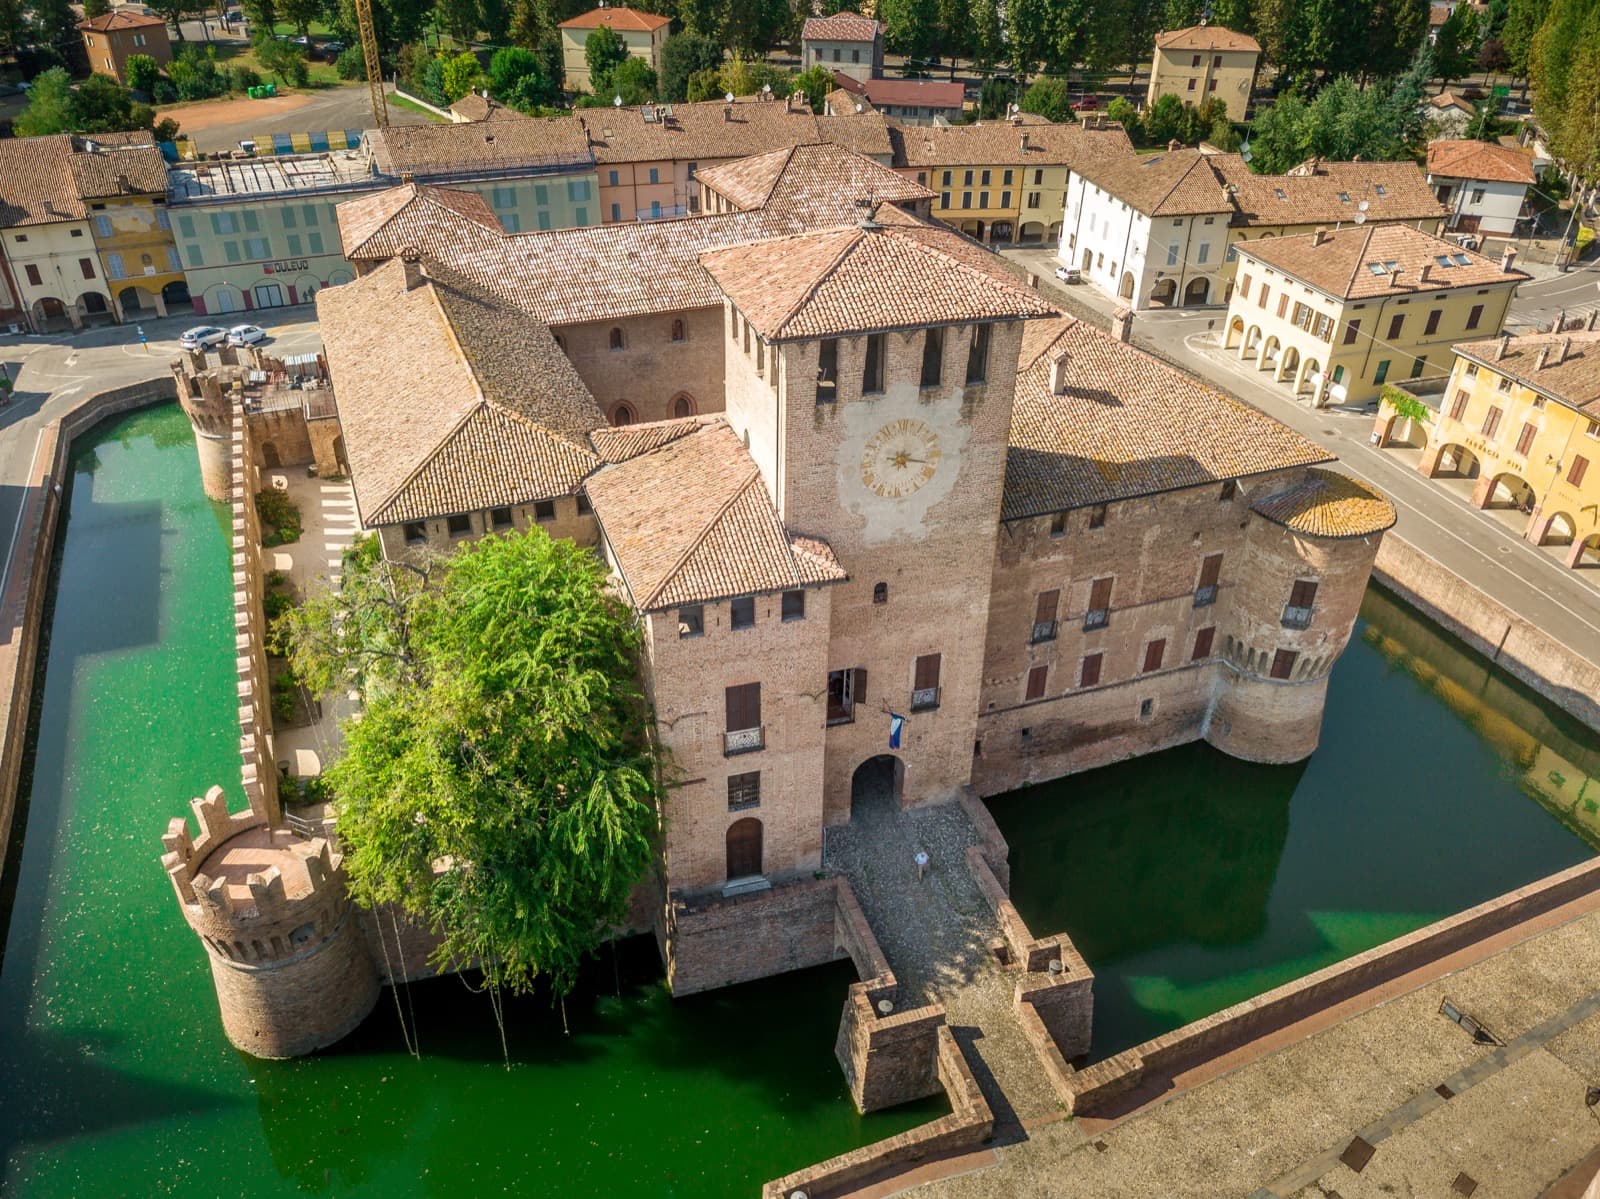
(1024, 141)
(727, 112)
(1122, 324)
(1058, 374)
(1544, 354)
(411, 256)
(1320, 236)
(1561, 319)
(1174, 144)
(1561, 351)
(1505, 344)
(123, 185)
(1594, 315)
(1509, 258)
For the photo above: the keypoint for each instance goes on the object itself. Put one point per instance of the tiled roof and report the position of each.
(841, 27)
(619, 443)
(804, 178)
(383, 224)
(121, 19)
(426, 150)
(1451, 100)
(1361, 262)
(1173, 183)
(1126, 425)
(617, 17)
(929, 92)
(705, 131)
(691, 521)
(123, 171)
(866, 132)
(1328, 504)
(36, 183)
(1004, 144)
(851, 279)
(477, 107)
(482, 409)
(1467, 159)
(1206, 37)
(1570, 374)
(1319, 192)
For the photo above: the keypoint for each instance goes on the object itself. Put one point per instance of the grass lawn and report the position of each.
(237, 55)
(400, 101)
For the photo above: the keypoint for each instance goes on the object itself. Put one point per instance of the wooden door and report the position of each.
(744, 848)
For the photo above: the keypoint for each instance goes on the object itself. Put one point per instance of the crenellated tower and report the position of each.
(209, 402)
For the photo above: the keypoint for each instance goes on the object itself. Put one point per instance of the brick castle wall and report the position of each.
(650, 370)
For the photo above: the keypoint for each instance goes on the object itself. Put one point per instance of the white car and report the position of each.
(202, 337)
(1068, 274)
(246, 335)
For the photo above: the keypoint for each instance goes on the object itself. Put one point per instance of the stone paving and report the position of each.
(936, 932)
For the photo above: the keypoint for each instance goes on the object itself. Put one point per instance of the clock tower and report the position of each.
(870, 370)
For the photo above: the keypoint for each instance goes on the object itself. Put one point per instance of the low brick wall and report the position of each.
(969, 1125)
(1558, 672)
(1232, 1027)
(719, 942)
(23, 602)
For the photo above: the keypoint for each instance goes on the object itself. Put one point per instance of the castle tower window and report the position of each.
(932, 358)
(1097, 517)
(1297, 612)
(622, 414)
(544, 511)
(1205, 591)
(743, 612)
(828, 371)
(1283, 663)
(1229, 490)
(1089, 671)
(743, 710)
(1058, 525)
(744, 848)
(1154, 651)
(925, 683)
(682, 406)
(691, 621)
(1202, 644)
(1038, 677)
(978, 356)
(744, 791)
(677, 329)
(1098, 614)
(846, 689)
(416, 533)
(459, 526)
(880, 593)
(500, 518)
(1044, 616)
(872, 367)
(614, 338)
(794, 605)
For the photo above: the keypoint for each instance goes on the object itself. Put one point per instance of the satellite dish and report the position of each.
(728, 96)
(1245, 156)
(616, 102)
(1363, 206)
(766, 89)
(1361, 218)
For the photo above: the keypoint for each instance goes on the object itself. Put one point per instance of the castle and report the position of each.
(882, 512)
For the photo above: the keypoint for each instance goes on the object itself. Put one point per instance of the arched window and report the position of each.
(677, 329)
(880, 593)
(616, 337)
(744, 848)
(682, 405)
(622, 414)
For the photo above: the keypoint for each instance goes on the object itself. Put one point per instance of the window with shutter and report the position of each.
(1154, 651)
(1089, 672)
(1099, 611)
(1491, 422)
(1202, 644)
(743, 718)
(1205, 591)
(1037, 678)
(744, 791)
(1302, 596)
(1044, 616)
(1283, 663)
(1458, 406)
(1579, 468)
(1525, 439)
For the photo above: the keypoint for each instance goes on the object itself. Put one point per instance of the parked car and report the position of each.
(246, 335)
(332, 50)
(1087, 104)
(1069, 274)
(202, 337)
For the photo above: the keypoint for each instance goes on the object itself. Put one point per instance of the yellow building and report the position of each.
(1520, 419)
(1205, 62)
(124, 190)
(642, 33)
(1337, 315)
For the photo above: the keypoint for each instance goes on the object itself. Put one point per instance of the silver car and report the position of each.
(202, 337)
(246, 335)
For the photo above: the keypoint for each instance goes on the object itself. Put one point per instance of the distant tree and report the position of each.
(988, 42)
(301, 13)
(494, 19)
(702, 18)
(1455, 49)
(95, 8)
(1233, 14)
(175, 11)
(262, 14)
(1394, 30)
(1028, 28)
(458, 18)
(634, 81)
(1199, 120)
(1048, 98)
(142, 72)
(603, 52)
(351, 63)
(816, 82)
(1485, 123)
(1224, 136)
(682, 55)
(753, 27)
(1381, 123)
(1523, 18)
(1492, 56)
(461, 75)
(955, 31)
(49, 107)
(102, 105)
(508, 65)
(194, 73)
(55, 31)
(13, 27)
(995, 97)
(282, 59)
(1564, 68)
(911, 27)
(1165, 120)
(705, 85)
(1122, 111)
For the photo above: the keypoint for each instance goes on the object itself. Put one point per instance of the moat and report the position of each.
(1188, 880)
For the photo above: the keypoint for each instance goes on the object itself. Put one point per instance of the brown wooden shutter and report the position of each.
(1491, 422)
(1303, 594)
(744, 706)
(1580, 467)
(1036, 681)
(1210, 570)
(1045, 611)
(1458, 407)
(1525, 439)
(1283, 663)
(1090, 674)
(1153, 653)
(927, 674)
(858, 690)
(1100, 595)
(1202, 644)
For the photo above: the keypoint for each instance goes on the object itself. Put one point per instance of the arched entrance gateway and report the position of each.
(1198, 291)
(877, 781)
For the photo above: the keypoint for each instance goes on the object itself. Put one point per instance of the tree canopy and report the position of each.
(603, 52)
(1564, 68)
(1382, 122)
(682, 55)
(1048, 98)
(500, 785)
(98, 105)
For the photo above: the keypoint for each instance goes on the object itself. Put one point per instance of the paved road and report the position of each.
(1474, 544)
(54, 372)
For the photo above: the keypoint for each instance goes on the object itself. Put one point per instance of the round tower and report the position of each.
(1308, 555)
(288, 957)
(210, 410)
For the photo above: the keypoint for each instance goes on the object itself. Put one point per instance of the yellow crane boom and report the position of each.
(369, 52)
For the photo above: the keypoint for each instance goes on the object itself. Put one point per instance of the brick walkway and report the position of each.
(936, 933)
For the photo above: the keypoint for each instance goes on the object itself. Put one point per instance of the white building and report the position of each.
(1484, 185)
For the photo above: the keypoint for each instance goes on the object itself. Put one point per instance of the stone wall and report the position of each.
(22, 602)
(718, 942)
(258, 769)
(1232, 1027)
(1561, 673)
(570, 520)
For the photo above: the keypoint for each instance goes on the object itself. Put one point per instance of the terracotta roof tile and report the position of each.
(805, 178)
(1126, 425)
(413, 214)
(120, 171)
(1174, 183)
(866, 132)
(617, 17)
(36, 183)
(1570, 373)
(426, 151)
(1002, 143)
(932, 92)
(121, 19)
(629, 441)
(1319, 192)
(475, 106)
(705, 131)
(1467, 159)
(1328, 504)
(1206, 37)
(1362, 262)
(843, 26)
(852, 279)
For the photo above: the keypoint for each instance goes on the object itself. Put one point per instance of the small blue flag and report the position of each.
(896, 723)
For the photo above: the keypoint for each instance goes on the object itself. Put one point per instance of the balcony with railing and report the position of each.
(1205, 596)
(1043, 630)
(743, 741)
(924, 699)
(1096, 618)
(1296, 618)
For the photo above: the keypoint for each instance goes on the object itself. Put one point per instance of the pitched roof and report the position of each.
(1005, 144)
(845, 26)
(1206, 37)
(1361, 262)
(689, 520)
(118, 171)
(806, 177)
(1570, 373)
(1320, 192)
(1173, 183)
(1126, 425)
(1468, 159)
(120, 19)
(856, 278)
(704, 131)
(477, 107)
(933, 93)
(866, 132)
(617, 17)
(429, 150)
(482, 410)
(36, 182)
(1328, 504)
(383, 224)
(1451, 100)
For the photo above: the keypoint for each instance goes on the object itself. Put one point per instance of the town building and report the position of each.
(641, 32)
(847, 43)
(114, 37)
(1165, 229)
(124, 189)
(1448, 113)
(1516, 431)
(48, 241)
(1004, 181)
(1439, 12)
(1205, 62)
(883, 541)
(1337, 315)
(909, 101)
(1483, 185)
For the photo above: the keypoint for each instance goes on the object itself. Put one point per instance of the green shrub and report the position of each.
(275, 578)
(143, 73)
(351, 64)
(283, 701)
(242, 79)
(280, 518)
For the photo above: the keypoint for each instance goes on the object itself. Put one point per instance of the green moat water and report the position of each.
(1189, 881)
(115, 1078)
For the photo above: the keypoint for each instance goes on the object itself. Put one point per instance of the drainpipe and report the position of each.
(1372, 337)
(1188, 235)
(1083, 199)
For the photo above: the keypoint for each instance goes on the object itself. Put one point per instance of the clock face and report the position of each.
(900, 458)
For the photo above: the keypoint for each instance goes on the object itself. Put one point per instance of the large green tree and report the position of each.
(1564, 68)
(682, 55)
(1048, 97)
(1523, 18)
(500, 784)
(603, 52)
(911, 27)
(49, 107)
(1455, 49)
